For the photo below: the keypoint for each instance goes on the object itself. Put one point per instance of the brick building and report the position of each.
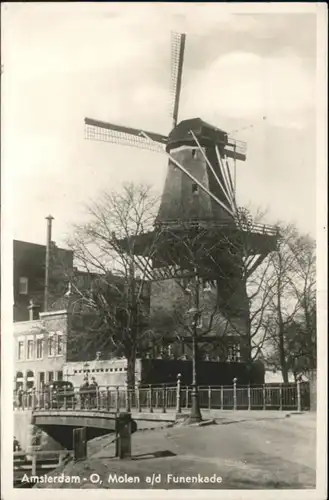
(40, 349)
(29, 275)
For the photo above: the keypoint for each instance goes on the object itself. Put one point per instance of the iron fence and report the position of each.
(293, 396)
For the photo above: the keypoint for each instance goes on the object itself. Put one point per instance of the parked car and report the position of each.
(60, 394)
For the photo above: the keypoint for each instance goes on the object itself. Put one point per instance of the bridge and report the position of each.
(58, 414)
(59, 424)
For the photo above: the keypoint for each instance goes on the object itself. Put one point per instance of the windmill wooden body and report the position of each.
(198, 196)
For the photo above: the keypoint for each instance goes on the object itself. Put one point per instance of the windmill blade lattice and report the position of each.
(177, 58)
(117, 134)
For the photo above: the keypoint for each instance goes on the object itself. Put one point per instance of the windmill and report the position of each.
(198, 153)
(198, 191)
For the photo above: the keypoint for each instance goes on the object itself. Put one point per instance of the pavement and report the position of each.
(242, 450)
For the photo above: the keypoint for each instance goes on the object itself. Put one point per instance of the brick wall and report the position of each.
(169, 301)
(29, 262)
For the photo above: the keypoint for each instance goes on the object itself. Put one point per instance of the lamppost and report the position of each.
(195, 415)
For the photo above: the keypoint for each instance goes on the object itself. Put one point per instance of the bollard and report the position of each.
(234, 394)
(299, 406)
(178, 394)
(123, 434)
(221, 397)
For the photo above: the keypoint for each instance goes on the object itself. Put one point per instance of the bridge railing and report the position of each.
(37, 461)
(107, 398)
(293, 396)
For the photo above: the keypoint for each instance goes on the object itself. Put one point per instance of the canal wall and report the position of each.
(29, 436)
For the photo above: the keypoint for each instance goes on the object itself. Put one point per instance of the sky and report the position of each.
(254, 73)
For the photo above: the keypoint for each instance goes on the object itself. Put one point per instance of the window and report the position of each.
(233, 352)
(60, 375)
(41, 380)
(19, 380)
(51, 346)
(207, 285)
(21, 349)
(30, 379)
(197, 320)
(50, 376)
(23, 285)
(59, 344)
(195, 188)
(29, 349)
(39, 348)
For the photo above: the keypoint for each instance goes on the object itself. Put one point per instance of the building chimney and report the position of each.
(33, 311)
(49, 219)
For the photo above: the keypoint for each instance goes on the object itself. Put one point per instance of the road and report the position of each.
(247, 453)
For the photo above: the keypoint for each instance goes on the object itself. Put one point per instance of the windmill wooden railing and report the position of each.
(253, 228)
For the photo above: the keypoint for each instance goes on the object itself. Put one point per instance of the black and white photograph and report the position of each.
(164, 291)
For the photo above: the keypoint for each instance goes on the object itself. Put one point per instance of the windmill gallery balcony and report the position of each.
(260, 238)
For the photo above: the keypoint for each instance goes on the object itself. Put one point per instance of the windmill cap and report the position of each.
(205, 133)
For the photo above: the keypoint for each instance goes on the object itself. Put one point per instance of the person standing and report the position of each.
(94, 392)
(84, 388)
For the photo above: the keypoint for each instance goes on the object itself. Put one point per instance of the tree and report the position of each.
(292, 328)
(257, 277)
(115, 290)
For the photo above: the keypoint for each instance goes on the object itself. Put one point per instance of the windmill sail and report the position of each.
(177, 60)
(108, 132)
